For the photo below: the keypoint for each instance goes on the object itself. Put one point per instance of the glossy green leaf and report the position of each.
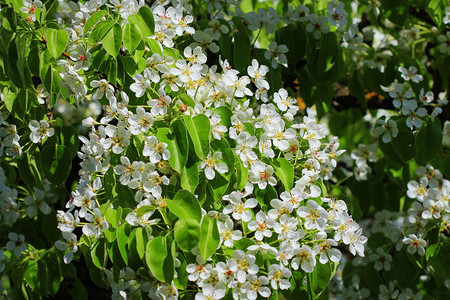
(113, 216)
(177, 143)
(131, 36)
(187, 233)
(112, 41)
(189, 176)
(144, 21)
(99, 31)
(122, 241)
(285, 172)
(29, 171)
(141, 242)
(198, 129)
(241, 173)
(185, 206)
(98, 253)
(56, 162)
(187, 100)
(320, 277)
(209, 237)
(93, 19)
(145, 209)
(159, 258)
(56, 41)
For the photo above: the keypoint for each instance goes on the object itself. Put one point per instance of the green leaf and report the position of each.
(177, 143)
(154, 46)
(141, 241)
(144, 21)
(189, 176)
(113, 216)
(56, 41)
(158, 256)
(99, 31)
(218, 186)
(187, 100)
(122, 241)
(187, 233)
(98, 253)
(131, 36)
(185, 206)
(56, 162)
(320, 277)
(225, 115)
(93, 19)
(285, 172)
(28, 169)
(241, 173)
(241, 51)
(198, 129)
(112, 41)
(428, 141)
(209, 237)
(144, 210)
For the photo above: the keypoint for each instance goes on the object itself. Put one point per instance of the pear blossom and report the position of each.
(211, 163)
(16, 243)
(40, 130)
(304, 257)
(261, 226)
(415, 244)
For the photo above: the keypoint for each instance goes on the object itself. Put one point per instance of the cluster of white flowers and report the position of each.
(305, 223)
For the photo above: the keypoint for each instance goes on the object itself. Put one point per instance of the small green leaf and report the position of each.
(320, 277)
(144, 210)
(198, 129)
(209, 237)
(98, 253)
(56, 41)
(177, 143)
(187, 233)
(99, 31)
(93, 19)
(241, 173)
(187, 100)
(144, 21)
(141, 241)
(122, 241)
(131, 36)
(158, 256)
(189, 176)
(112, 41)
(285, 172)
(185, 206)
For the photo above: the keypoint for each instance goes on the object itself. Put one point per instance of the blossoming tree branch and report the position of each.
(224, 149)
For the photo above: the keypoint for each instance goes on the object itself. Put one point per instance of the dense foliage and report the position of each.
(224, 149)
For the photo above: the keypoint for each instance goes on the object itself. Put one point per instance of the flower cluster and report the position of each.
(293, 229)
